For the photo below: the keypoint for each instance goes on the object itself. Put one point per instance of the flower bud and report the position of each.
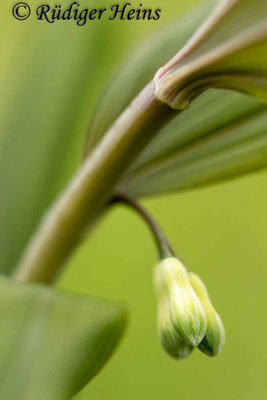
(169, 338)
(187, 313)
(214, 339)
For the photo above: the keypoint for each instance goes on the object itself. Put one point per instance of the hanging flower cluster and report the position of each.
(186, 316)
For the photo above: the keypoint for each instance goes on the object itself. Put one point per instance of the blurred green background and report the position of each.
(51, 77)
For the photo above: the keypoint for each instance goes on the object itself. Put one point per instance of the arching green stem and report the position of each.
(91, 189)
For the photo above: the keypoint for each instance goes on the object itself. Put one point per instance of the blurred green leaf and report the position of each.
(50, 76)
(202, 147)
(53, 342)
(229, 50)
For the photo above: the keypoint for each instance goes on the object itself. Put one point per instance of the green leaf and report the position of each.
(221, 136)
(53, 342)
(140, 67)
(229, 50)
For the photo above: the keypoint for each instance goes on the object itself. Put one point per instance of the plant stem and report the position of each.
(165, 248)
(89, 192)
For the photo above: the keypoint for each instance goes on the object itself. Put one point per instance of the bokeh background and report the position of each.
(51, 78)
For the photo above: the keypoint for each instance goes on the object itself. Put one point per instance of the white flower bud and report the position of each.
(214, 339)
(187, 313)
(169, 338)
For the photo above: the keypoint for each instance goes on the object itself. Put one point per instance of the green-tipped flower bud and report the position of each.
(214, 339)
(187, 313)
(169, 338)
